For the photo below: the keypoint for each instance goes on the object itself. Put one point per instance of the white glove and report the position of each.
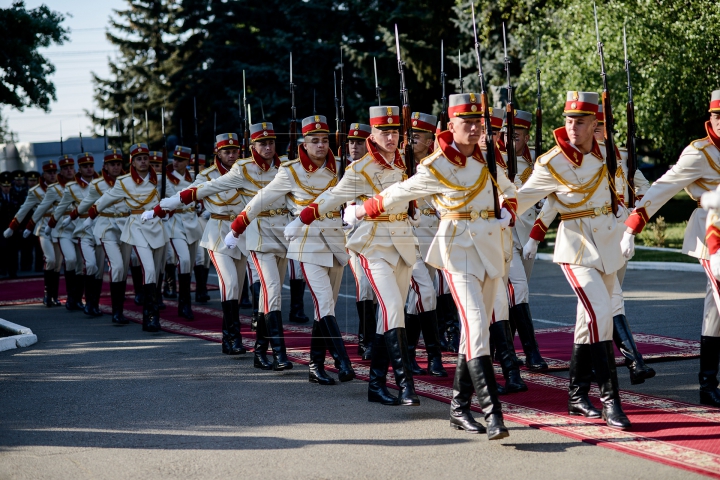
(172, 203)
(627, 245)
(715, 265)
(88, 222)
(294, 229)
(66, 221)
(530, 249)
(505, 218)
(48, 230)
(349, 215)
(231, 240)
(8, 233)
(415, 219)
(147, 215)
(205, 214)
(27, 233)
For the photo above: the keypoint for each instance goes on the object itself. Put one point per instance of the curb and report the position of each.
(666, 266)
(22, 336)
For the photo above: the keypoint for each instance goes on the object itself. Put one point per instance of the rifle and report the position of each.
(214, 136)
(182, 139)
(343, 127)
(509, 118)
(245, 123)
(632, 162)
(147, 129)
(377, 85)
(163, 173)
(489, 139)
(132, 121)
(611, 159)
(407, 121)
(82, 149)
(292, 145)
(538, 110)
(61, 141)
(460, 71)
(197, 139)
(443, 110)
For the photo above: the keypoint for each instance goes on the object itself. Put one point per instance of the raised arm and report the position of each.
(31, 201)
(89, 200)
(280, 186)
(232, 180)
(540, 185)
(62, 207)
(51, 197)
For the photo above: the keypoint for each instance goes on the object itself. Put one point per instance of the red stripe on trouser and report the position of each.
(266, 305)
(82, 254)
(416, 289)
(368, 274)
(292, 269)
(511, 294)
(575, 284)
(223, 295)
(142, 269)
(463, 315)
(312, 292)
(713, 281)
(357, 282)
(492, 318)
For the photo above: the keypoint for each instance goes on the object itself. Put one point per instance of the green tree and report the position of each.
(24, 72)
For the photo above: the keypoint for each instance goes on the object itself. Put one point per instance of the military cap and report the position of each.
(112, 155)
(580, 104)
(32, 175)
(49, 165)
(5, 179)
(715, 102)
(227, 140)
(315, 124)
(385, 117)
(522, 118)
(16, 174)
(262, 131)
(139, 149)
(359, 131)
(85, 158)
(600, 115)
(465, 105)
(201, 157)
(496, 118)
(182, 153)
(423, 122)
(155, 156)
(66, 160)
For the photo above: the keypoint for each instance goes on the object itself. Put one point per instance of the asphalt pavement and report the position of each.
(94, 400)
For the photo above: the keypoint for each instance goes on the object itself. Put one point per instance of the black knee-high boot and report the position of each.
(245, 301)
(151, 315)
(482, 375)
(73, 302)
(318, 345)
(580, 379)
(412, 329)
(117, 298)
(184, 297)
(334, 342)
(428, 324)
(522, 319)
(513, 382)
(379, 365)
(396, 342)
(229, 334)
(260, 359)
(708, 376)
(297, 302)
(623, 338)
(158, 293)
(276, 335)
(169, 287)
(460, 416)
(201, 292)
(138, 281)
(366, 328)
(603, 360)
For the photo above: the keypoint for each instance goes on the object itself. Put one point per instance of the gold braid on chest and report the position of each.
(313, 192)
(525, 175)
(258, 183)
(469, 193)
(136, 198)
(587, 189)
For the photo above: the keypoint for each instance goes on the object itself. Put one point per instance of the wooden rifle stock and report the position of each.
(632, 163)
(610, 157)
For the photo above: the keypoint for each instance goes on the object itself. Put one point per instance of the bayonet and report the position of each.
(443, 110)
(538, 110)
(163, 172)
(292, 143)
(632, 162)
(132, 121)
(245, 122)
(377, 85)
(460, 71)
(406, 120)
(197, 139)
(341, 138)
(509, 117)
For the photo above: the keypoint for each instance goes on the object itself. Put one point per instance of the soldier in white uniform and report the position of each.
(319, 249)
(107, 229)
(50, 249)
(386, 248)
(202, 259)
(574, 174)
(467, 247)
(224, 206)
(364, 296)
(697, 171)
(92, 259)
(63, 237)
(138, 191)
(421, 306)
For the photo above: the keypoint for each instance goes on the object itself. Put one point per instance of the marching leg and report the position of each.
(379, 365)
(580, 379)
(513, 381)
(710, 343)
(522, 318)
(428, 324)
(412, 328)
(169, 285)
(460, 416)
(317, 357)
(623, 337)
(260, 359)
(297, 293)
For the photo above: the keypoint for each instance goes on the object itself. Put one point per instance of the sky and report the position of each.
(86, 51)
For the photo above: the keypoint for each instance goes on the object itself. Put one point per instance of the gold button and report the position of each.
(489, 233)
(473, 234)
(594, 229)
(392, 233)
(322, 229)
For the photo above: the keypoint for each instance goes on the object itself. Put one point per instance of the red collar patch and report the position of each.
(569, 151)
(108, 179)
(714, 139)
(138, 180)
(260, 162)
(445, 140)
(221, 168)
(310, 167)
(380, 160)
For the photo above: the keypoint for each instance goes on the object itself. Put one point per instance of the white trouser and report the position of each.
(184, 253)
(517, 285)
(271, 273)
(711, 318)
(93, 257)
(441, 284)
(231, 274)
(152, 261)
(51, 253)
(133, 258)
(422, 296)
(324, 285)
(363, 290)
(501, 307)
(295, 270)
(69, 250)
(390, 284)
(201, 257)
(474, 297)
(118, 258)
(594, 289)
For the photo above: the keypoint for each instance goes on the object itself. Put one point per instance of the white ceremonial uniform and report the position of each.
(183, 228)
(148, 239)
(422, 296)
(467, 246)
(42, 215)
(201, 254)
(51, 250)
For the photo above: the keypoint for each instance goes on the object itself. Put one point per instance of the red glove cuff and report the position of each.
(93, 212)
(310, 213)
(240, 223)
(374, 206)
(159, 212)
(188, 196)
(30, 225)
(712, 239)
(637, 220)
(14, 224)
(510, 204)
(538, 231)
(52, 222)
(74, 214)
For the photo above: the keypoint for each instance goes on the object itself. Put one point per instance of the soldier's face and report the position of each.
(265, 148)
(466, 131)
(386, 140)
(580, 130)
(356, 148)
(19, 182)
(141, 163)
(113, 168)
(715, 123)
(521, 139)
(228, 156)
(6, 189)
(599, 133)
(50, 177)
(180, 165)
(422, 141)
(87, 170)
(317, 146)
(31, 182)
(68, 171)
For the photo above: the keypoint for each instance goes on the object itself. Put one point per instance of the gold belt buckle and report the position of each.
(232, 216)
(329, 215)
(474, 215)
(392, 217)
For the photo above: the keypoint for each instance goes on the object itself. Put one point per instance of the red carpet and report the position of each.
(682, 435)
